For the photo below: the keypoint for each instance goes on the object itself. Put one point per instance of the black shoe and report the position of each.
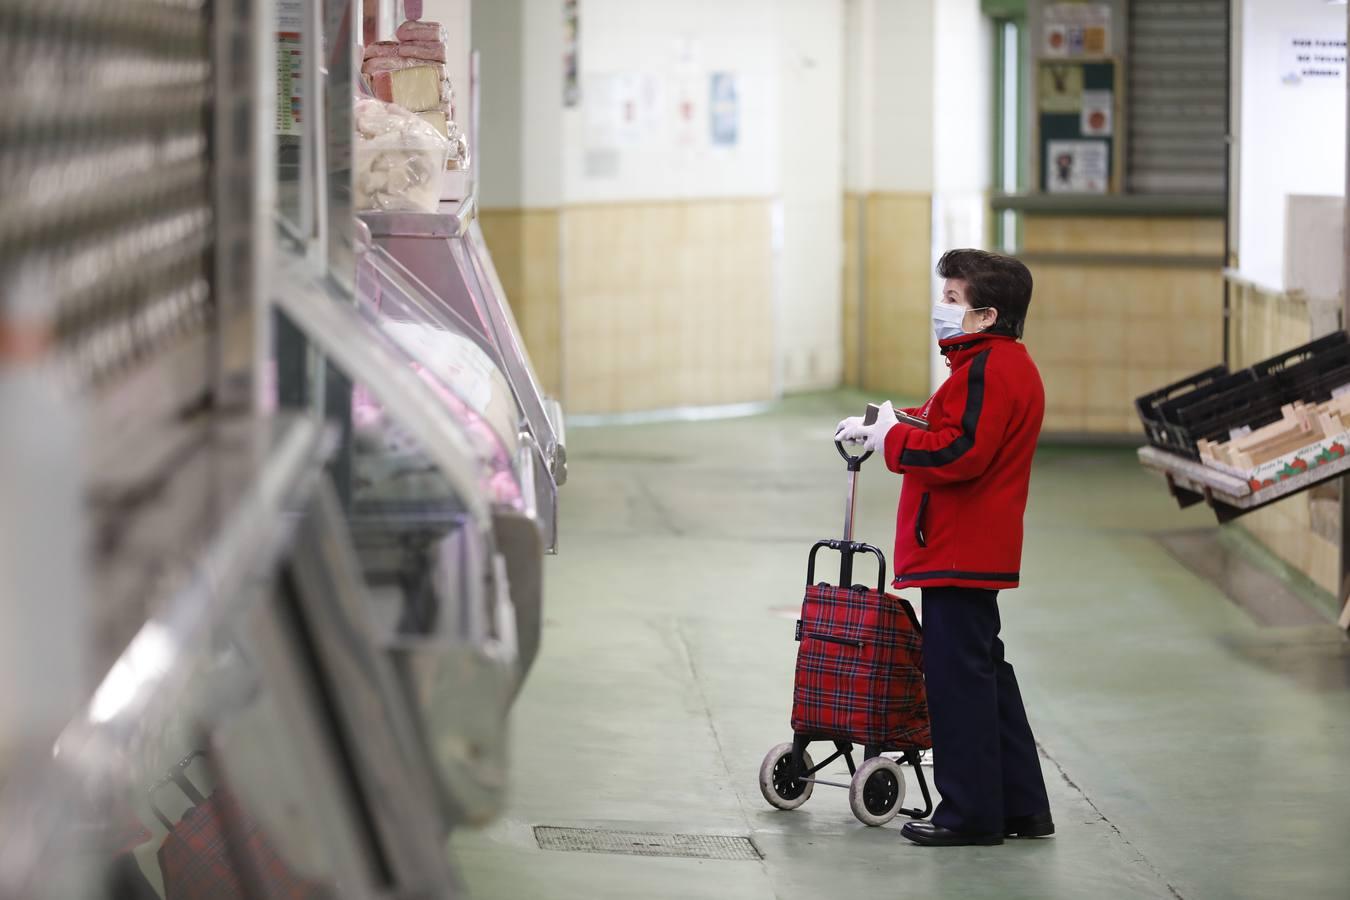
(929, 835)
(1037, 826)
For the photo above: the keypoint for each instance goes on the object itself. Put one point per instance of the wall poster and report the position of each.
(1314, 59)
(571, 45)
(1075, 126)
(724, 111)
(1078, 167)
(1077, 30)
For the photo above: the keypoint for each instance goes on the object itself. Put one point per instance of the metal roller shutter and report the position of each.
(1178, 96)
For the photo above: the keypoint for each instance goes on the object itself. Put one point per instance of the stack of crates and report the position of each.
(1209, 405)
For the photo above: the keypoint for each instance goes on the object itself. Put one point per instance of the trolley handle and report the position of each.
(847, 549)
(854, 462)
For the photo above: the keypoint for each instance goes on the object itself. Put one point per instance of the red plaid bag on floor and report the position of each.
(859, 675)
(201, 857)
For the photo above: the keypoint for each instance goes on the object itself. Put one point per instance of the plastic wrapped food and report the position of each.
(381, 48)
(412, 9)
(432, 51)
(389, 64)
(400, 159)
(421, 31)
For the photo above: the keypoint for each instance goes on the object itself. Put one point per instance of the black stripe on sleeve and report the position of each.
(970, 421)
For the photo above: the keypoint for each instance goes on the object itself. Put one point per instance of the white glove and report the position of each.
(847, 425)
(872, 437)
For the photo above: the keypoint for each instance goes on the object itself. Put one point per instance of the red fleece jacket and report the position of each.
(967, 476)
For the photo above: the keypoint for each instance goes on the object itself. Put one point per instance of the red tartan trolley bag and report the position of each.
(859, 681)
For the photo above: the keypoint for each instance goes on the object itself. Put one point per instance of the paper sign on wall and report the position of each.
(1312, 60)
(1098, 107)
(724, 110)
(1077, 167)
(1061, 88)
(1077, 29)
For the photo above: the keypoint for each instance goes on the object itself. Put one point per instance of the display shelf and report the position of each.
(452, 220)
(1230, 497)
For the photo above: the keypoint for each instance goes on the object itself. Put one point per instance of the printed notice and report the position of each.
(1305, 59)
(1077, 167)
(1061, 88)
(1097, 113)
(1077, 30)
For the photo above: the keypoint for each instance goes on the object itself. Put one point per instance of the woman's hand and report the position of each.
(872, 437)
(847, 425)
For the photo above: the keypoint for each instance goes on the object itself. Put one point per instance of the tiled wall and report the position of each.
(1303, 530)
(667, 304)
(525, 250)
(642, 306)
(887, 236)
(1121, 306)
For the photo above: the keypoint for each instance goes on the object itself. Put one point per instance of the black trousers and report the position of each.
(984, 755)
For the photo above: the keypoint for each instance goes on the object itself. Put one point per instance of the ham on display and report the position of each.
(429, 50)
(421, 31)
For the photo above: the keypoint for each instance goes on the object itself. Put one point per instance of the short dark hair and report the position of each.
(992, 280)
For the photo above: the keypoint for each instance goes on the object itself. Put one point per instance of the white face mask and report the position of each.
(947, 319)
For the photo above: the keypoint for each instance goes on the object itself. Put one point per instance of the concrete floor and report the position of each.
(1189, 751)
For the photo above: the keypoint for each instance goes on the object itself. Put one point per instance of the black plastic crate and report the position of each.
(1170, 410)
(1253, 404)
(1282, 362)
(1147, 406)
(1319, 374)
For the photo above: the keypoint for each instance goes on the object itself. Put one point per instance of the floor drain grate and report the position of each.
(640, 843)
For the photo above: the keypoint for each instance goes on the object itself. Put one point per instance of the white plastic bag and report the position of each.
(400, 159)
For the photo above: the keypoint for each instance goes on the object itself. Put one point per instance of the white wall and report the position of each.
(787, 56)
(891, 69)
(1292, 137)
(919, 99)
(660, 53)
(962, 129)
(811, 129)
(498, 36)
(520, 149)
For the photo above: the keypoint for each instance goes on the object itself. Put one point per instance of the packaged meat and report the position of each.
(429, 50)
(380, 48)
(412, 9)
(389, 64)
(417, 89)
(400, 159)
(421, 31)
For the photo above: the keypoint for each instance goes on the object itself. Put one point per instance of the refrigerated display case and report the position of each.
(445, 251)
(435, 490)
(242, 735)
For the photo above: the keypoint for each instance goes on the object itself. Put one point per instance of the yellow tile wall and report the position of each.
(1102, 332)
(897, 294)
(666, 304)
(525, 247)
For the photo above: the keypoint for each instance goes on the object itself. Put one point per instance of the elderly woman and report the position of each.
(958, 539)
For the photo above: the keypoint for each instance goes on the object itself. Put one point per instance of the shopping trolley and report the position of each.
(858, 681)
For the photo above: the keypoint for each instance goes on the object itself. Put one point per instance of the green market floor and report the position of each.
(1189, 752)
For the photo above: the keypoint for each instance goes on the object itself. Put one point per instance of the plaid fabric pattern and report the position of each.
(858, 670)
(201, 858)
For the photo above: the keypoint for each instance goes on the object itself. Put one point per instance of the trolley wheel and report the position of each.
(776, 782)
(877, 791)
